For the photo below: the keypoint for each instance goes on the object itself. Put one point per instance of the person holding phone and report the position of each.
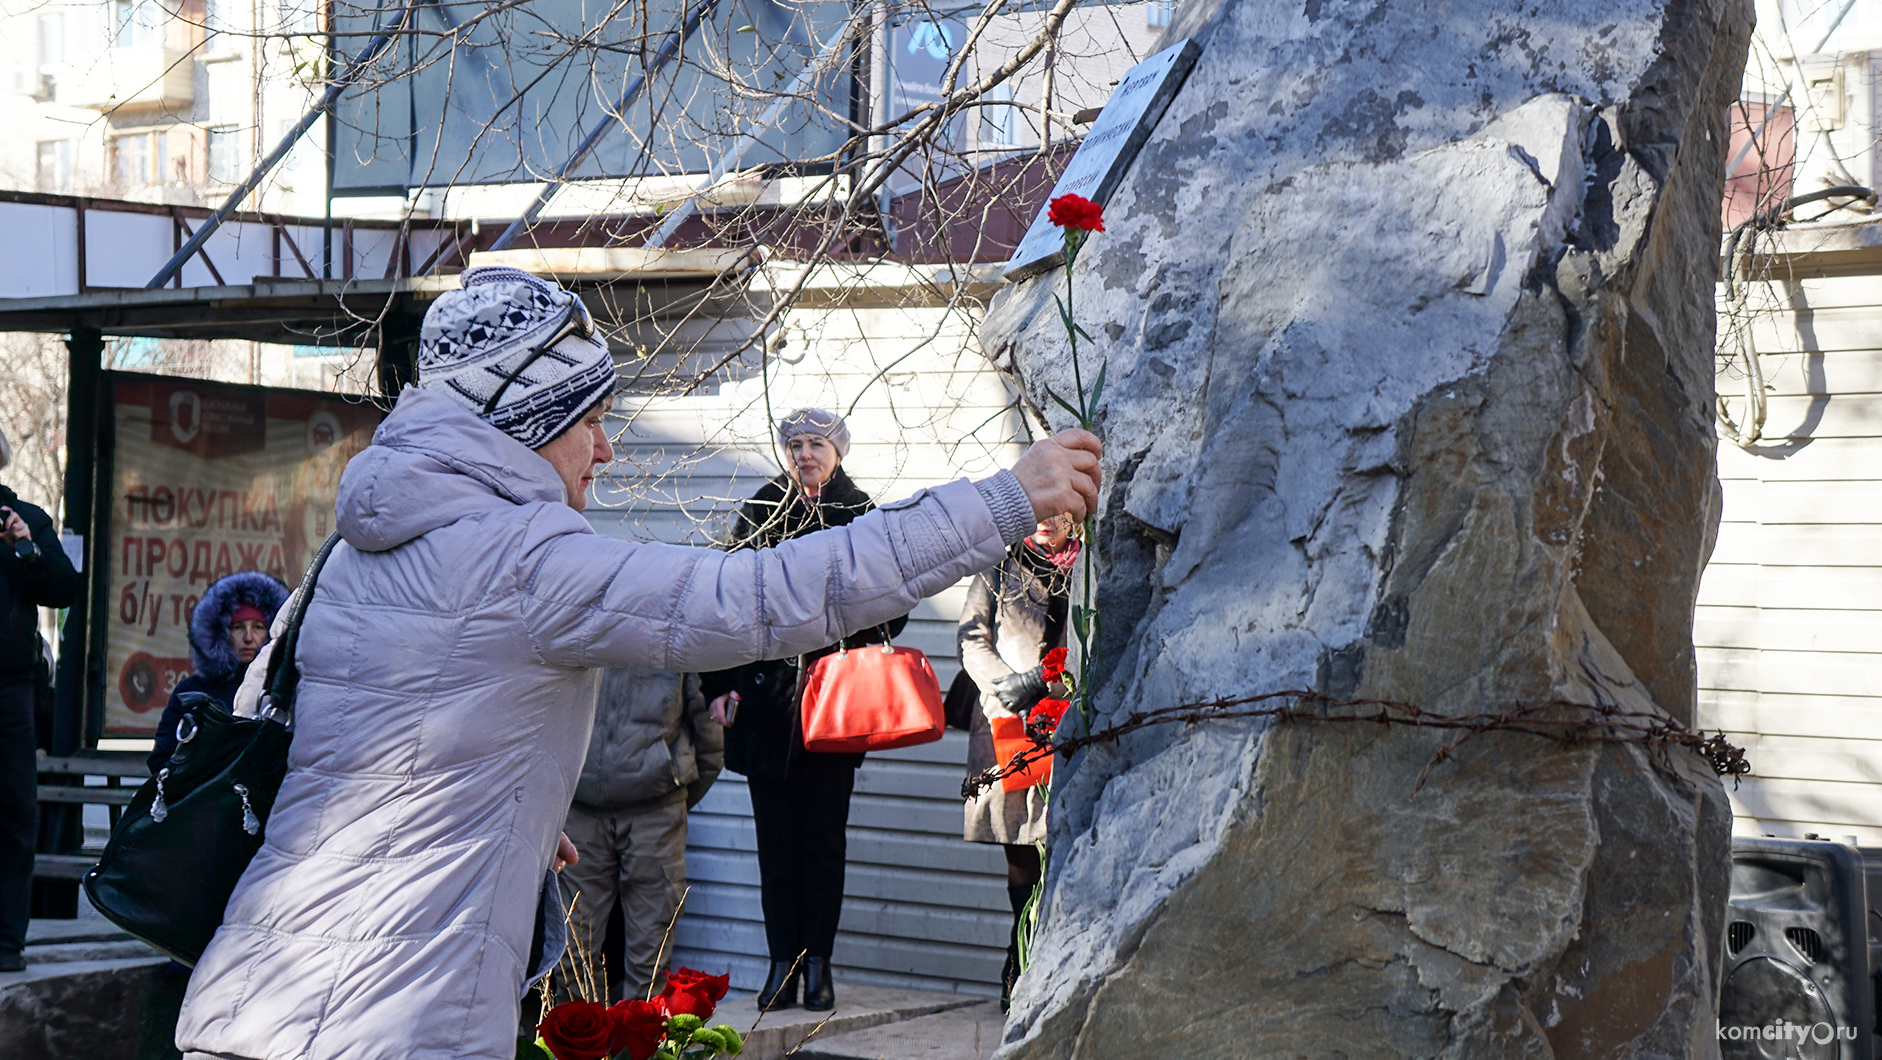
(34, 573)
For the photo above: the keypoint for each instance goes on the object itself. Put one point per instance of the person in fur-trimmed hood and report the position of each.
(227, 630)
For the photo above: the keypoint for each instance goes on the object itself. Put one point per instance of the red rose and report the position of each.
(1053, 665)
(638, 1028)
(577, 1030)
(692, 992)
(1076, 211)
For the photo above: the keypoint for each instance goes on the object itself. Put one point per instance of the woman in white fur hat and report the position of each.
(800, 798)
(449, 663)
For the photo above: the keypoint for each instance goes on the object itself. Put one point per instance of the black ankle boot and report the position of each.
(819, 992)
(1018, 895)
(780, 989)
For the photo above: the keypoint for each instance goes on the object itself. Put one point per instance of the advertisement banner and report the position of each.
(208, 479)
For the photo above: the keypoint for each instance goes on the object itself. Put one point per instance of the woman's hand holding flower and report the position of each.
(1060, 474)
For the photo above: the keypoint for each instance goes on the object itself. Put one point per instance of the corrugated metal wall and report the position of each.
(1789, 623)
(922, 908)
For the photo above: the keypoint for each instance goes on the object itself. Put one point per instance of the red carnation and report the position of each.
(692, 993)
(1052, 667)
(578, 1030)
(638, 1028)
(1048, 710)
(1077, 212)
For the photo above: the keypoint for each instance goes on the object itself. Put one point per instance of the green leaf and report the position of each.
(1097, 388)
(1082, 333)
(533, 1051)
(1081, 618)
(1066, 405)
(1065, 315)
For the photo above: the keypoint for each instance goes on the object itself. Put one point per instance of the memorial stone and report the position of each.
(1407, 311)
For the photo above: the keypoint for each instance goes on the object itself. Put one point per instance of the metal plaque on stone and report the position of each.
(1101, 160)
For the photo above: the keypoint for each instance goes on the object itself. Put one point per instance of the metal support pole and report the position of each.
(326, 104)
(78, 674)
(668, 49)
(61, 827)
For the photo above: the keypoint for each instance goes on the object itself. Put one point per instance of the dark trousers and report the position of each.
(800, 822)
(19, 810)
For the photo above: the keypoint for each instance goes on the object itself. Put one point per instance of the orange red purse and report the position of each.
(871, 698)
(1009, 739)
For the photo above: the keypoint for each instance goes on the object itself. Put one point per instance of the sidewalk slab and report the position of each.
(75, 1010)
(970, 1033)
(857, 1008)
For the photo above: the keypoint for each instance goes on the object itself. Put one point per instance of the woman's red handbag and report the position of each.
(1009, 739)
(871, 698)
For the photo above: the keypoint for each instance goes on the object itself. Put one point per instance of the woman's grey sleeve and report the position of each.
(595, 601)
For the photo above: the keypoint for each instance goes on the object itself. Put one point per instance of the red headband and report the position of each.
(248, 613)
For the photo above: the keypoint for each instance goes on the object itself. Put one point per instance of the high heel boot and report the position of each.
(819, 991)
(780, 989)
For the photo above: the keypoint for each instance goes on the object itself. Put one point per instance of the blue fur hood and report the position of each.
(211, 654)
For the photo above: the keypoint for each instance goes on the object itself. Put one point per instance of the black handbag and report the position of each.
(175, 856)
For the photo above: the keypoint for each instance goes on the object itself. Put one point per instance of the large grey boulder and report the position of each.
(1408, 310)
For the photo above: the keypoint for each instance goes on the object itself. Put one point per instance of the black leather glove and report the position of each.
(1020, 692)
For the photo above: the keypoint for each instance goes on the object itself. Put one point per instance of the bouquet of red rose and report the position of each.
(671, 1026)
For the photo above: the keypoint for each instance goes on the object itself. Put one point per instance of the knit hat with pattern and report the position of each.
(478, 335)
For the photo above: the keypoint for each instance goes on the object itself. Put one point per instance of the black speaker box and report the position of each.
(1797, 971)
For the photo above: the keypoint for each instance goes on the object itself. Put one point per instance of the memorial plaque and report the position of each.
(1107, 150)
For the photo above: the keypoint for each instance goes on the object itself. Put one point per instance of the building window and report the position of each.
(225, 154)
(216, 26)
(300, 16)
(1157, 14)
(140, 159)
(1002, 126)
(51, 40)
(139, 22)
(54, 165)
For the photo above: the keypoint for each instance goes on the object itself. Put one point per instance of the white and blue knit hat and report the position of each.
(475, 337)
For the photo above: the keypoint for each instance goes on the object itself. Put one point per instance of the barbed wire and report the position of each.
(1559, 721)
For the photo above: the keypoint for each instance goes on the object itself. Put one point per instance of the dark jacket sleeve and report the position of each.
(748, 530)
(46, 580)
(173, 711)
(708, 740)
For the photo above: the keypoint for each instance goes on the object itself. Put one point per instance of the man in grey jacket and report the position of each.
(654, 753)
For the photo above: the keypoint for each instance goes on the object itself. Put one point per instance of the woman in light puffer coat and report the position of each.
(449, 663)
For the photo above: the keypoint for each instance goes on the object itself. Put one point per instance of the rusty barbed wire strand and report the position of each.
(1589, 723)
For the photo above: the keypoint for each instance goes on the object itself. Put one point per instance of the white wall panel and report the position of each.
(1789, 624)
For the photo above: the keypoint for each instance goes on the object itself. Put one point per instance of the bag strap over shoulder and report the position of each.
(284, 674)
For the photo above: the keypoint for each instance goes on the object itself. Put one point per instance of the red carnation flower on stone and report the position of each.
(578, 1030)
(638, 1028)
(1077, 212)
(1046, 716)
(1052, 667)
(690, 992)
